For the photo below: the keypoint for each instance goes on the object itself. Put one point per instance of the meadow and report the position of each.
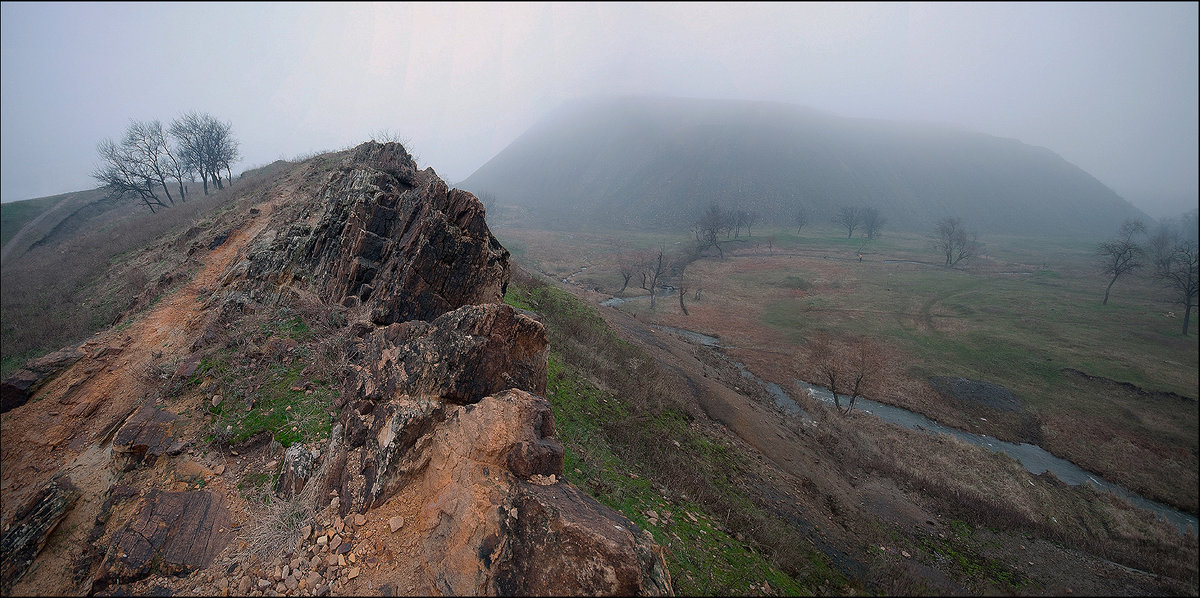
(1112, 388)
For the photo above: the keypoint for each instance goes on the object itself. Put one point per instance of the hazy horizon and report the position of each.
(1110, 87)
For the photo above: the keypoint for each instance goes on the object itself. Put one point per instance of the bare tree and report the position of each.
(1121, 255)
(147, 143)
(206, 147)
(708, 229)
(1161, 247)
(872, 222)
(801, 218)
(852, 370)
(1182, 277)
(141, 163)
(955, 242)
(683, 282)
(122, 173)
(627, 265)
(642, 263)
(750, 220)
(656, 267)
(682, 285)
(850, 218)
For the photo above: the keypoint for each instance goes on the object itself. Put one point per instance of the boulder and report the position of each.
(294, 471)
(561, 541)
(144, 437)
(17, 389)
(33, 524)
(171, 533)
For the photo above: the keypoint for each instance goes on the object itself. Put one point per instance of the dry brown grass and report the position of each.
(61, 292)
(994, 490)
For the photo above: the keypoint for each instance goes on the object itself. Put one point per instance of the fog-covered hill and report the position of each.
(653, 162)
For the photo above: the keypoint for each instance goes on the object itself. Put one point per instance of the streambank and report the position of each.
(1033, 458)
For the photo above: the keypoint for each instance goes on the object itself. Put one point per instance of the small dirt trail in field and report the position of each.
(81, 407)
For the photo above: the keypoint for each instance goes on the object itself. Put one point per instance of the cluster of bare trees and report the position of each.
(657, 269)
(869, 218)
(718, 225)
(149, 155)
(1173, 254)
(852, 369)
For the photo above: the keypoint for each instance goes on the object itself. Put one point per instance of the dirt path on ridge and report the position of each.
(81, 407)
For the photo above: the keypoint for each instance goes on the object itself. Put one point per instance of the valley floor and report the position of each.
(903, 511)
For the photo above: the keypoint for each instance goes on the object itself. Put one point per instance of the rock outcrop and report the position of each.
(171, 533)
(34, 523)
(385, 235)
(144, 437)
(496, 519)
(19, 387)
(438, 415)
(439, 404)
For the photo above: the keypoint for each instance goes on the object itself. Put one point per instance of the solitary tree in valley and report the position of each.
(852, 370)
(801, 218)
(627, 265)
(708, 229)
(850, 218)
(1161, 247)
(872, 222)
(655, 268)
(1120, 255)
(955, 242)
(750, 220)
(1182, 277)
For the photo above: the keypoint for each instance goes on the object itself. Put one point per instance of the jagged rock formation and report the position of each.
(388, 236)
(436, 406)
(438, 414)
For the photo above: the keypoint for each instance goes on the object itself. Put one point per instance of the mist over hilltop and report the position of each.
(657, 162)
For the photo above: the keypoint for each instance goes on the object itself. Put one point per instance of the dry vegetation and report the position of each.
(74, 283)
(1010, 319)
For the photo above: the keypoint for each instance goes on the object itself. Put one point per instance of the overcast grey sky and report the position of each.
(1110, 87)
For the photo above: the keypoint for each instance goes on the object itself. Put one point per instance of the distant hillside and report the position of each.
(654, 162)
(14, 215)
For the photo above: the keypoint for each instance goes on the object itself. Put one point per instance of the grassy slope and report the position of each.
(15, 214)
(57, 295)
(669, 477)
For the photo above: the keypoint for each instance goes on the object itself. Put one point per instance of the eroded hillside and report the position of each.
(333, 399)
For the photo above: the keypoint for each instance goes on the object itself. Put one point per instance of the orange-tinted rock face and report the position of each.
(439, 416)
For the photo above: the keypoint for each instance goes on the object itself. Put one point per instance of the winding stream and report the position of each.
(1033, 458)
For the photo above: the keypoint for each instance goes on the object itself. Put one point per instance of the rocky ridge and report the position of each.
(437, 424)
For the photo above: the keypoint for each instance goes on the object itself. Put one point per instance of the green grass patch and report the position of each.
(290, 408)
(960, 549)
